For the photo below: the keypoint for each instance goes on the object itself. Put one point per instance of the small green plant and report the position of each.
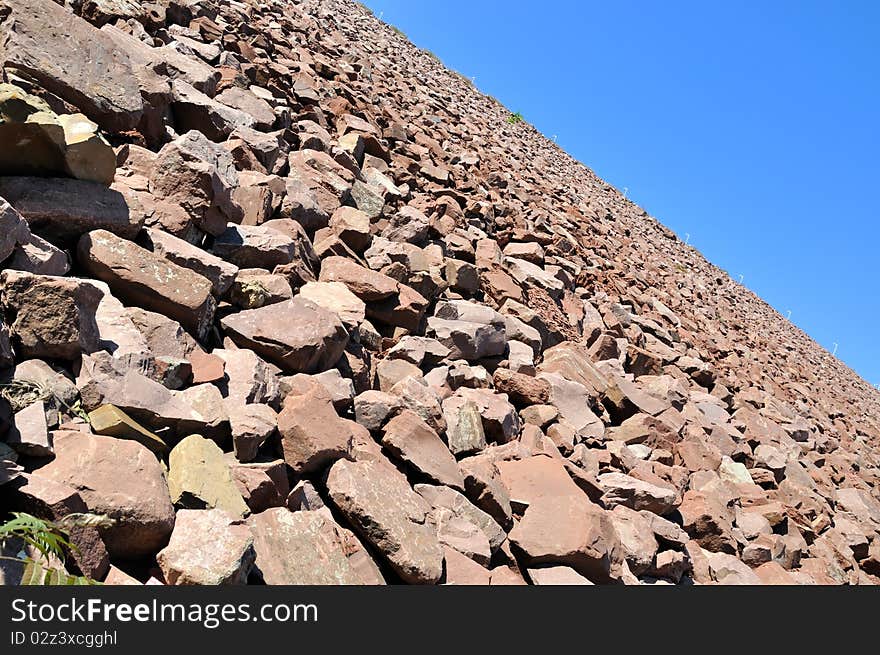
(50, 540)
(22, 393)
(397, 31)
(516, 118)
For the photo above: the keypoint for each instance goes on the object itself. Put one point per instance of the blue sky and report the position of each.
(752, 126)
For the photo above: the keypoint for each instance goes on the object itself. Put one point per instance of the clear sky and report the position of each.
(752, 126)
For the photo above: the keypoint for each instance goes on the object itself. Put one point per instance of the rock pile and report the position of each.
(272, 274)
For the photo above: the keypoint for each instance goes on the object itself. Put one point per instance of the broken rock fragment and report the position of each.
(297, 335)
(378, 501)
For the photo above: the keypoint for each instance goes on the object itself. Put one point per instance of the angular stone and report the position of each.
(446, 498)
(297, 335)
(464, 426)
(462, 570)
(60, 209)
(411, 440)
(312, 434)
(254, 288)
(378, 501)
(200, 177)
(54, 317)
(109, 420)
(193, 110)
(255, 246)
(207, 547)
(466, 340)
(50, 500)
(622, 489)
(555, 576)
(335, 297)
(41, 143)
(142, 278)
(353, 227)
(369, 286)
(636, 538)
(373, 408)
(119, 478)
(221, 273)
(707, 519)
(252, 426)
(29, 433)
(199, 478)
(569, 531)
(308, 548)
(38, 37)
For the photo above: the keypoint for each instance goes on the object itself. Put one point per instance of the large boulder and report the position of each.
(147, 280)
(39, 40)
(199, 478)
(377, 500)
(297, 335)
(61, 209)
(119, 478)
(51, 317)
(42, 143)
(308, 548)
(207, 547)
(312, 434)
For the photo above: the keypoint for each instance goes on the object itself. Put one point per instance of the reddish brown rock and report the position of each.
(297, 335)
(53, 317)
(142, 278)
(121, 479)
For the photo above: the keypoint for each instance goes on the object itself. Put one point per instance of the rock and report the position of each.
(636, 538)
(706, 518)
(440, 497)
(501, 423)
(60, 210)
(199, 478)
(248, 102)
(144, 279)
(119, 478)
(254, 288)
(569, 531)
(207, 547)
(335, 297)
(572, 400)
(53, 501)
(252, 426)
(54, 317)
(532, 479)
(464, 426)
(521, 389)
(367, 285)
(262, 484)
(412, 441)
(41, 143)
(463, 536)
(308, 548)
(199, 177)
(220, 273)
(109, 420)
(38, 37)
(248, 378)
(29, 434)
(555, 576)
(312, 434)
(297, 335)
(462, 570)
(622, 489)
(195, 111)
(728, 570)
(373, 408)
(255, 246)
(353, 228)
(378, 502)
(466, 340)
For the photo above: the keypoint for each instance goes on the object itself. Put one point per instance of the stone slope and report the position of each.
(378, 333)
